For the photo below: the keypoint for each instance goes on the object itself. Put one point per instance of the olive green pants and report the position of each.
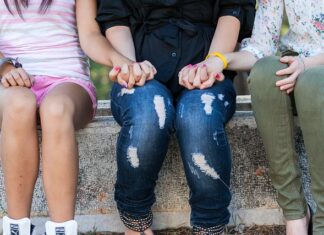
(274, 116)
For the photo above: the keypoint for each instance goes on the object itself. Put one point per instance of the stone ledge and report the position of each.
(254, 199)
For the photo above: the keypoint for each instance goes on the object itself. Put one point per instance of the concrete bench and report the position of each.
(254, 199)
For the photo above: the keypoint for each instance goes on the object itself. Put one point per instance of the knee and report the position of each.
(57, 112)
(264, 72)
(198, 110)
(152, 113)
(19, 105)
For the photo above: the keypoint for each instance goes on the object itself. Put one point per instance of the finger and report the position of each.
(203, 73)
(124, 73)
(287, 80)
(121, 81)
(152, 69)
(131, 78)
(151, 66)
(11, 79)
(25, 77)
(146, 70)
(17, 78)
(114, 73)
(192, 73)
(287, 59)
(287, 71)
(290, 90)
(5, 82)
(185, 80)
(182, 74)
(220, 77)
(209, 83)
(142, 81)
(137, 72)
(287, 86)
(197, 79)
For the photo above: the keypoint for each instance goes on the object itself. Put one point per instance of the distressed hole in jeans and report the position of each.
(160, 110)
(131, 132)
(200, 161)
(208, 100)
(125, 91)
(132, 156)
(220, 137)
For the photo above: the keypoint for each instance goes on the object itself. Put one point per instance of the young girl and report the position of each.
(156, 39)
(43, 72)
(281, 84)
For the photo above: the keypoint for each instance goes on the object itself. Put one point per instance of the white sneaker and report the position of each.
(66, 228)
(16, 227)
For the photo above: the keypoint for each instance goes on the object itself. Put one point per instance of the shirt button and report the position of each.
(173, 54)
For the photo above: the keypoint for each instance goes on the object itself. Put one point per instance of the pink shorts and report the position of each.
(44, 84)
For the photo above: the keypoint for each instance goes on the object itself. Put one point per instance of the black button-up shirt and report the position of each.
(173, 33)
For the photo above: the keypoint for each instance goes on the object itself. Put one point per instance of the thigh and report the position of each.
(77, 98)
(150, 105)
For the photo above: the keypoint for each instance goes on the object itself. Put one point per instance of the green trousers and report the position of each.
(274, 116)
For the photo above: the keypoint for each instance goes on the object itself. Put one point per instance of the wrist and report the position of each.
(220, 56)
(118, 60)
(216, 62)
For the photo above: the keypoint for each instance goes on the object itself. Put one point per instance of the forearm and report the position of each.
(225, 42)
(314, 61)
(99, 49)
(226, 35)
(94, 44)
(121, 39)
(240, 61)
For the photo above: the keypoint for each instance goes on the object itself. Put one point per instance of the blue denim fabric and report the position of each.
(148, 116)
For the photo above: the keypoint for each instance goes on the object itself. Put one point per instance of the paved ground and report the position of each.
(255, 230)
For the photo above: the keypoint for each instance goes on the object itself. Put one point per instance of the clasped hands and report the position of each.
(199, 76)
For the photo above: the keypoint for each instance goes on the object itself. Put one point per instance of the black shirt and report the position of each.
(173, 33)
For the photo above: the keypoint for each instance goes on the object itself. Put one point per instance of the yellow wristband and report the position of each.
(220, 56)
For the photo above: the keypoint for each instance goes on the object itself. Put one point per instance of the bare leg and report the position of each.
(65, 109)
(19, 148)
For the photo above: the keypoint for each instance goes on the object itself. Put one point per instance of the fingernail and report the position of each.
(190, 65)
(125, 85)
(195, 66)
(117, 68)
(204, 65)
(217, 76)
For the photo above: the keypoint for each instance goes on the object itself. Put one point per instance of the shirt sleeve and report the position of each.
(112, 13)
(266, 31)
(243, 10)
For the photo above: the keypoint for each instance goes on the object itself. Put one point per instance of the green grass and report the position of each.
(99, 76)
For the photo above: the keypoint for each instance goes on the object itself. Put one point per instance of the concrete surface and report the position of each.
(254, 199)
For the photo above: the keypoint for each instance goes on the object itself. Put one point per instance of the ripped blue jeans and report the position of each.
(149, 115)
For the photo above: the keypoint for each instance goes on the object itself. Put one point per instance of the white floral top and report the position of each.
(306, 34)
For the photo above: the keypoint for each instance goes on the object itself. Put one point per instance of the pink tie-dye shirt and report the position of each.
(45, 43)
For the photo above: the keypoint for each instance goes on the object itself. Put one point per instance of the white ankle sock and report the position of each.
(67, 228)
(12, 227)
